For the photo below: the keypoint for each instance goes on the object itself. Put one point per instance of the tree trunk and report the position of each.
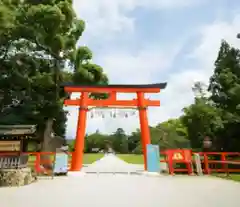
(46, 158)
(49, 144)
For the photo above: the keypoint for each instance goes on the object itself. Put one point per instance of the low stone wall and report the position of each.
(16, 177)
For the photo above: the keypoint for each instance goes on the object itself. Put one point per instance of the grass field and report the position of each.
(131, 158)
(235, 177)
(87, 158)
(90, 158)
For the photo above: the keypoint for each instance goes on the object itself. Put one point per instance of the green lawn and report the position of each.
(87, 158)
(131, 158)
(235, 177)
(90, 158)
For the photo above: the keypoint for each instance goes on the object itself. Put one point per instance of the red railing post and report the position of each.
(37, 162)
(170, 161)
(188, 160)
(206, 164)
(189, 167)
(223, 159)
(170, 166)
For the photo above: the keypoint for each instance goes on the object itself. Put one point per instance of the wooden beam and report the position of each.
(69, 89)
(112, 96)
(105, 103)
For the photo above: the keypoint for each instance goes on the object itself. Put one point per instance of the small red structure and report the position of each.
(179, 156)
(141, 103)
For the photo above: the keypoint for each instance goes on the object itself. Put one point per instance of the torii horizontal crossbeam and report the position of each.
(116, 103)
(146, 88)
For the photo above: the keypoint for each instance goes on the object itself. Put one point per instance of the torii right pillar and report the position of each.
(143, 118)
(145, 132)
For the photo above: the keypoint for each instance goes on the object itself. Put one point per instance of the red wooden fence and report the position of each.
(212, 161)
(224, 160)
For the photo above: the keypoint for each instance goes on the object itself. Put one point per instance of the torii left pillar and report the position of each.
(81, 130)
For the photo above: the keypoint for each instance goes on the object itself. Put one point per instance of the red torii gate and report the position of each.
(141, 103)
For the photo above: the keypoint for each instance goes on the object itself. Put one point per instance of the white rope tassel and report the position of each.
(112, 112)
(92, 114)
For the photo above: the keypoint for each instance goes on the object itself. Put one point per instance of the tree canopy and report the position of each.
(217, 114)
(38, 53)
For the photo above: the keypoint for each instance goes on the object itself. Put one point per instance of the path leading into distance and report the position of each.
(112, 164)
(118, 190)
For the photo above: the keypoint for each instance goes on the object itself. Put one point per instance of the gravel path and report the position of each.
(112, 164)
(118, 190)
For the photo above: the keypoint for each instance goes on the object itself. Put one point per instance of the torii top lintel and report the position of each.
(112, 90)
(146, 88)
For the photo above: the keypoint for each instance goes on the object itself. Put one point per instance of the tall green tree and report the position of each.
(225, 94)
(96, 140)
(37, 54)
(201, 118)
(120, 141)
(134, 142)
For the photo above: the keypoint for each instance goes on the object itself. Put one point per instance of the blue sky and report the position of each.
(148, 41)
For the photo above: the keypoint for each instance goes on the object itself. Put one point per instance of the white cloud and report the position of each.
(105, 18)
(143, 67)
(212, 35)
(205, 54)
(150, 64)
(166, 4)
